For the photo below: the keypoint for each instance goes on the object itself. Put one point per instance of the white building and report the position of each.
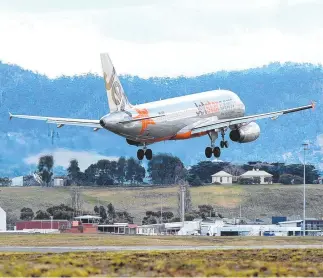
(59, 181)
(17, 181)
(3, 220)
(258, 174)
(222, 177)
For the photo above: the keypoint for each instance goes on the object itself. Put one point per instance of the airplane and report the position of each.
(207, 113)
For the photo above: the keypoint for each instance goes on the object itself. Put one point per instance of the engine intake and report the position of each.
(246, 133)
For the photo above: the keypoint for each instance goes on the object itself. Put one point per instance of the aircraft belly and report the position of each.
(155, 131)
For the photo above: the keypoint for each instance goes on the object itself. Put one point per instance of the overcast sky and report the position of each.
(159, 38)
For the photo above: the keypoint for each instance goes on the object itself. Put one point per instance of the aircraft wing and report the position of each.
(246, 119)
(61, 121)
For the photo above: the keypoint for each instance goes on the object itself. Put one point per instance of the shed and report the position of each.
(222, 177)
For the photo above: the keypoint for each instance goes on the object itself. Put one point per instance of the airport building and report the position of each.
(3, 220)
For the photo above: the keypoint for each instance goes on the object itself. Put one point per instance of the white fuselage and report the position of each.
(172, 119)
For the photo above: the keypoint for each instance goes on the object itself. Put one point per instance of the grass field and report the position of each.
(308, 262)
(257, 201)
(115, 240)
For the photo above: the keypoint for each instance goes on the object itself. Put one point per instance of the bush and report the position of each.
(290, 179)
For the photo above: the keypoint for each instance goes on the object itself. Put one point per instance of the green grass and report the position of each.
(243, 263)
(118, 240)
(256, 200)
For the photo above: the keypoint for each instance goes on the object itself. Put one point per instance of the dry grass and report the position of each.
(256, 201)
(306, 263)
(115, 240)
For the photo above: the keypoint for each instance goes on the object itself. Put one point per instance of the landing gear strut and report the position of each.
(216, 151)
(223, 143)
(141, 153)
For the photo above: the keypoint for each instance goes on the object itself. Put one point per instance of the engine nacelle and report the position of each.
(246, 133)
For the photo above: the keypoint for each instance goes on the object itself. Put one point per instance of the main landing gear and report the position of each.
(141, 153)
(216, 151)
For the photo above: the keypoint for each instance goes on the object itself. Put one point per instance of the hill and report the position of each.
(257, 201)
(263, 89)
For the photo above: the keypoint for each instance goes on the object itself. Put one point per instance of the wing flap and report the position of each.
(241, 120)
(61, 121)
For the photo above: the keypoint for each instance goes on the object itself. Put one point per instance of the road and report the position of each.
(61, 249)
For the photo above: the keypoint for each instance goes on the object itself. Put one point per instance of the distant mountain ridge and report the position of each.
(265, 89)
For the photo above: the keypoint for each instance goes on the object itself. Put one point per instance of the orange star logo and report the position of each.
(143, 113)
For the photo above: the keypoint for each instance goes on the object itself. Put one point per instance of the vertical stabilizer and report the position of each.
(117, 99)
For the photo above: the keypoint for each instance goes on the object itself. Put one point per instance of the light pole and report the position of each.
(183, 189)
(51, 222)
(161, 208)
(305, 146)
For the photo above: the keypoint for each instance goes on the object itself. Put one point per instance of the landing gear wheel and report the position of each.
(222, 144)
(208, 152)
(217, 152)
(149, 154)
(140, 154)
(226, 144)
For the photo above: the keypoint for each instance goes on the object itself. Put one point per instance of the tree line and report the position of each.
(107, 213)
(201, 173)
(166, 169)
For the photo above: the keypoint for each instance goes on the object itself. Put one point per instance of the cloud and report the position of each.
(287, 155)
(18, 137)
(159, 38)
(62, 158)
(319, 141)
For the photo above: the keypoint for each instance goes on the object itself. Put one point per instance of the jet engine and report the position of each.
(246, 133)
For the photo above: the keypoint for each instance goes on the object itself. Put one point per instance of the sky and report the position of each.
(158, 38)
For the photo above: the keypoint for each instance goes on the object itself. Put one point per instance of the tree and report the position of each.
(111, 213)
(290, 179)
(196, 181)
(61, 212)
(206, 211)
(73, 171)
(45, 166)
(124, 216)
(135, 173)
(103, 213)
(42, 215)
(204, 170)
(166, 169)
(121, 170)
(5, 182)
(26, 214)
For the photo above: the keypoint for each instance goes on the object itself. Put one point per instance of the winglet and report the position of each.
(313, 104)
(10, 116)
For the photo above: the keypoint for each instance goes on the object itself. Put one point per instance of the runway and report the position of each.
(62, 249)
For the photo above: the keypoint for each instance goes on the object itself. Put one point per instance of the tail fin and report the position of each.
(117, 99)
